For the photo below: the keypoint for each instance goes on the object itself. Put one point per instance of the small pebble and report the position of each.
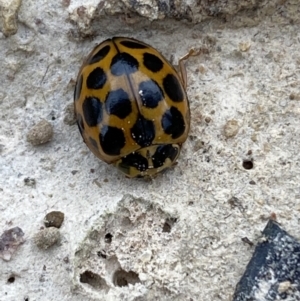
(244, 46)
(284, 286)
(10, 241)
(231, 128)
(9, 16)
(294, 96)
(54, 219)
(207, 119)
(41, 133)
(46, 238)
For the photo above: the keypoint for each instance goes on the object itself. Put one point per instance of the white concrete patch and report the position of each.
(248, 74)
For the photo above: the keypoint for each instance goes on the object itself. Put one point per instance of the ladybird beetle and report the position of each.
(131, 106)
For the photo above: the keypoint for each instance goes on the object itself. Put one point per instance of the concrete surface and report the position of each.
(177, 237)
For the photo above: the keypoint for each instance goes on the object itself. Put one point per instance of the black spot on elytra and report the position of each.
(135, 160)
(162, 153)
(173, 123)
(92, 111)
(112, 140)
(133, 44)
(80, 123)
(78, 88)
(96, 79)
(123, 63)
(152, 62)
(118, 103)
(99, 55)
(173, 88)
(150, 93)
(143, 131)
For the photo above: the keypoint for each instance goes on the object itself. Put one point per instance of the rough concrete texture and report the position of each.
(240, 163)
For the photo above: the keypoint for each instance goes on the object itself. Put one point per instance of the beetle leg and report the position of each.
(182, 68)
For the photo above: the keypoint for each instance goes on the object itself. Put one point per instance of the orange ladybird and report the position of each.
(131, 106)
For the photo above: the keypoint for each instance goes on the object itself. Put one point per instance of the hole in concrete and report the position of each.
(123, 278)
(169, 223)
(11, 279)
(248, 164)
(102, 254)
(92, 279)
(108, 238)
